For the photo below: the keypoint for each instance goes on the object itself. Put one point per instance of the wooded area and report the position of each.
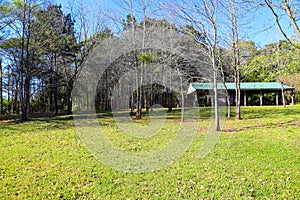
(43, 48)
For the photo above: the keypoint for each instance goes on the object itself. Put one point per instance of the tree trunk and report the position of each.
(55, 85)
(69, 98)
(25, 63)
(138, 114)
(15, 103)
(215, 91)
(151, 93)
(237, 96)
(1, 97)
(282, 93)
(227, 100)
(216, 107)
(170, 94)
(8, 89)
(238, 104)
(228, 106)
(182, 99)
(131, 104)
(146, 96)
(291, 17)
(17, 96)
(226, 92)
(51, 107)
(55, 100)
(26, 100)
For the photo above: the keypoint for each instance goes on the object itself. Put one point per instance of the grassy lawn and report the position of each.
(257, 157)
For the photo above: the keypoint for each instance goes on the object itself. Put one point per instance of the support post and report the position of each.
(293, 97)
(196, 100)
(261, 98)
(207, 100)
(245, 98)
(277, 101)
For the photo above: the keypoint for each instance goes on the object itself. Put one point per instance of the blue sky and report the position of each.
(262, 30)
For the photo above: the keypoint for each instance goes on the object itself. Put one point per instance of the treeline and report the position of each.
(276, 62)
(41, 54)
(43, 49)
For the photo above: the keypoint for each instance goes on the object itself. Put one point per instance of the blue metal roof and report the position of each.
(244, 86)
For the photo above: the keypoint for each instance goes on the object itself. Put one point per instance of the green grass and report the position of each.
(257, 157)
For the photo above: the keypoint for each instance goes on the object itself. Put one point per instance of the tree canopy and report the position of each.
(43, 47)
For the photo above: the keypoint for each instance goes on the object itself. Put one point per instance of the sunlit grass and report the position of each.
(257, 157)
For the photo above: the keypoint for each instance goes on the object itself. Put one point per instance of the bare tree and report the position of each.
(132, 25)
(203, 15)
(232, 14)
(222, 69)
(291, 10)
(91, 29)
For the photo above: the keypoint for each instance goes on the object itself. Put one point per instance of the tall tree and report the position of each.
(19, 46)
(203, 15)
(26, 8)
(274, 63)
(235, 21)
(235, 40)
(56, 37)
(130, 24)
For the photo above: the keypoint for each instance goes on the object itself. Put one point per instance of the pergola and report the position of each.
(247, 88)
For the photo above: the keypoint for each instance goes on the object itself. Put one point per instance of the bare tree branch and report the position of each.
(277, 21)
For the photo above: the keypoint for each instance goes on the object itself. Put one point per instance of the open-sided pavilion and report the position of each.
(204, 90)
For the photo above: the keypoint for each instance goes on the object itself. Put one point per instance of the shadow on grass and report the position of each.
(249, 112)
(37, 120)
(50, 117)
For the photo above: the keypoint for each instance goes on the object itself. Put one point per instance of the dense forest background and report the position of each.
(44, 46)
